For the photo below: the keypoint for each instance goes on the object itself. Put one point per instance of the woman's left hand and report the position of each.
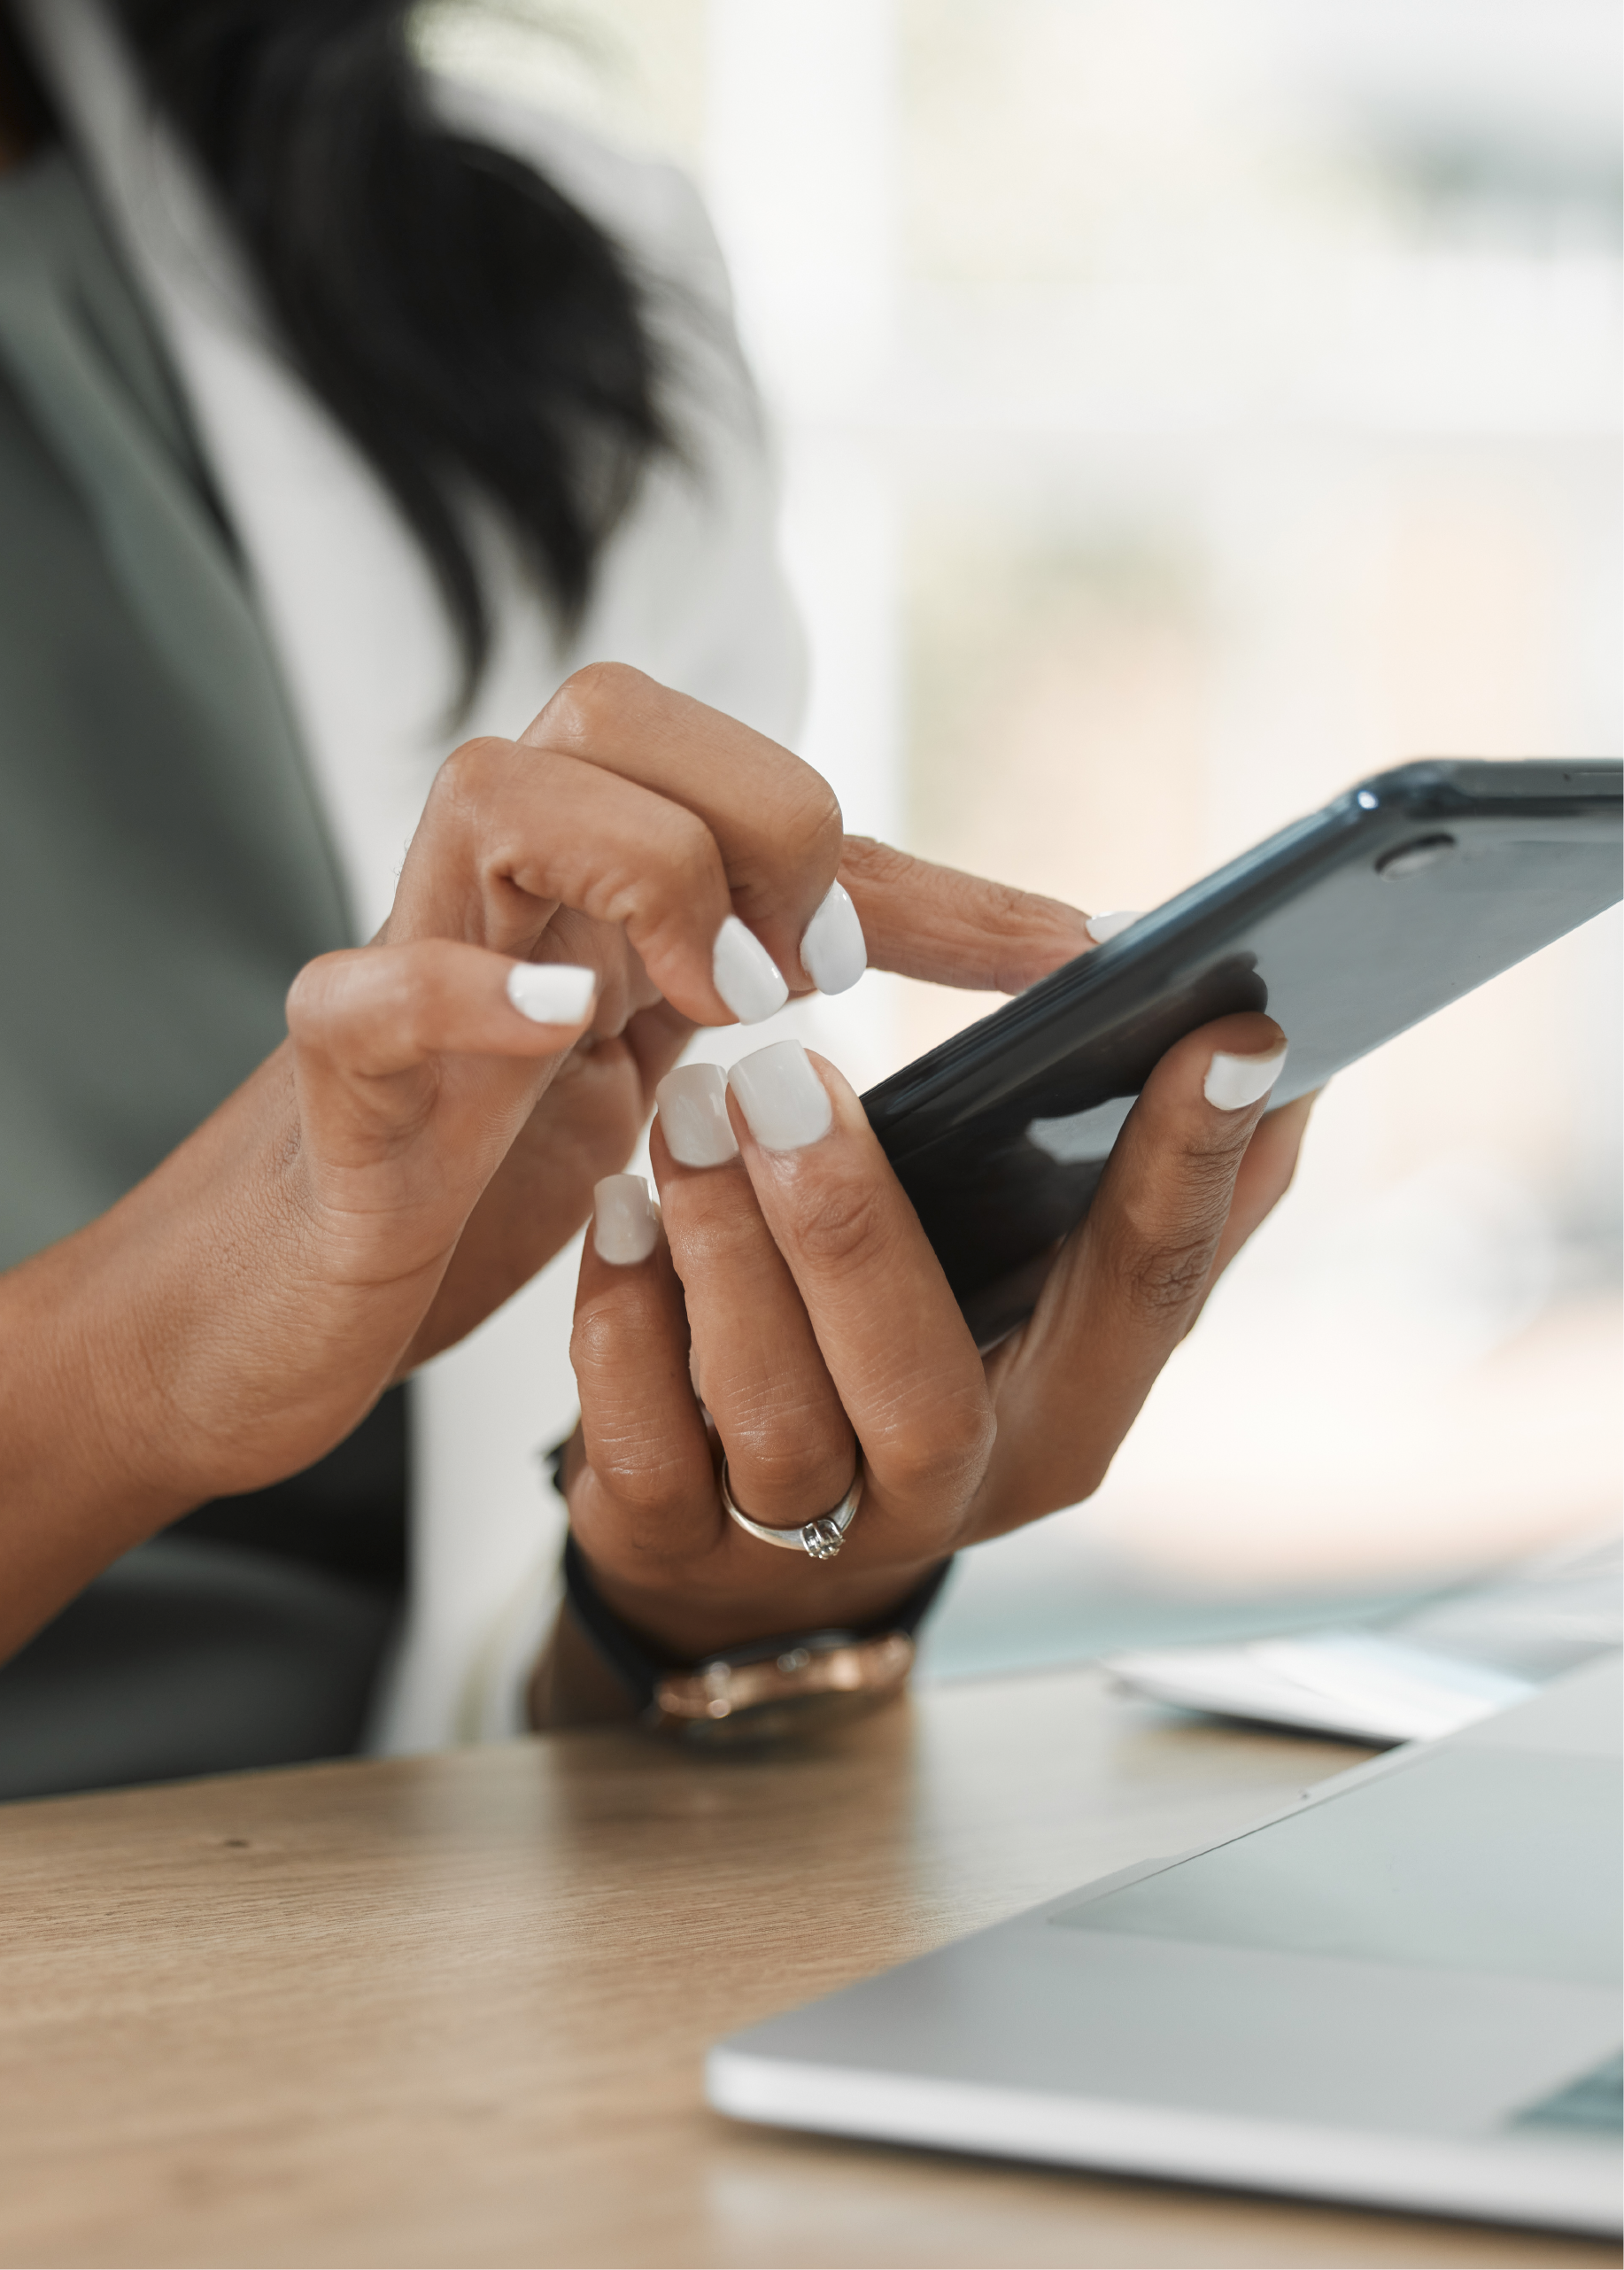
(789, 1292)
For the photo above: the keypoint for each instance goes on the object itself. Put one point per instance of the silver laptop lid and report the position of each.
(1402, 1989)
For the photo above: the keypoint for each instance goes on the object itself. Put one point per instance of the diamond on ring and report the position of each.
(820, 1539)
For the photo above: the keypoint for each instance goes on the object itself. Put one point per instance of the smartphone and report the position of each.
(1348, 928)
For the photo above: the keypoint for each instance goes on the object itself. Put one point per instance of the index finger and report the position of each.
(953, 928)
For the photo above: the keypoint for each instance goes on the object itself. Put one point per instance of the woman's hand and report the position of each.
(917, 919)
(788, 1292)
(570, 906)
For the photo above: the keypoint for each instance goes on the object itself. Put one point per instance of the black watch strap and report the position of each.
(652, 1681)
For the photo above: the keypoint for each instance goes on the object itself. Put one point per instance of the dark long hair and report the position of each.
(473, 331)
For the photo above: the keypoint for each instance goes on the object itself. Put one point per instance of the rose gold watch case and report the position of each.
(802, 1689)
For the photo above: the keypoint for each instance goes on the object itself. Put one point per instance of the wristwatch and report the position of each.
(799, 1683)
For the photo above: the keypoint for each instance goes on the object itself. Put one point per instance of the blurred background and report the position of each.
(1187, 407)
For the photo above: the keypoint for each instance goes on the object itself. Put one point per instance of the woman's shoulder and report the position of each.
(650, 207)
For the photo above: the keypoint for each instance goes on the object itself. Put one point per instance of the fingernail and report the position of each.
(692, 1103)
(625, 1223)
(745, 973)
(552, 993)
(833, 950)
(1102, 926)
(782, 1097)
(1233, 1082)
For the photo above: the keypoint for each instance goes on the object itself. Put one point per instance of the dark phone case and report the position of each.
(1408, 891)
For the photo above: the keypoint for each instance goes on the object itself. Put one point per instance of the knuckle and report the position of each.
(691, 856)
(1031, 935)
(1163, 1275)
(636, 1466)
(865, 859)
(594, 1345)
(813, 820)
(465, 780)
(588, 698)
(1160, 1250)
(777, 1488)
(948, 1456)
(1201, 1177)
(642, 1479)
(846, 1227)
(331, 997)
(789, 1443)
(655, 896)
(310, 998)
(1007, 903)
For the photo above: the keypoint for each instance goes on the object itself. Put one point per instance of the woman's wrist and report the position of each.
(572, 1686)
(598, 1669)
(240, 1352)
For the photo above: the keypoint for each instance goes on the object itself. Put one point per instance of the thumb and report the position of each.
(1130, 1281)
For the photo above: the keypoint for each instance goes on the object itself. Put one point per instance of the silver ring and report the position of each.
(822, 1538)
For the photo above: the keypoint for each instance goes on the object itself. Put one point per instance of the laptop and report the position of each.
(1403, 1991)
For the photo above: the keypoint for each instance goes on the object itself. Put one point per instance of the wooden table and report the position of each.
(451, 2010)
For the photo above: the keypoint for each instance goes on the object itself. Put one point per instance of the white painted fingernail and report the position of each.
(745, 973)
(625, 1220)
(833, 950)
(552, 993)
(693, 1102)
(1233, 1082)
(782, 1097)
(1102, 926)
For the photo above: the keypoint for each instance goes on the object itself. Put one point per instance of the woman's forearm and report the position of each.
(74, 1496)
(189, 1342)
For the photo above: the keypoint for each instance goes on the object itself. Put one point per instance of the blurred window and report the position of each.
(1188, 405)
